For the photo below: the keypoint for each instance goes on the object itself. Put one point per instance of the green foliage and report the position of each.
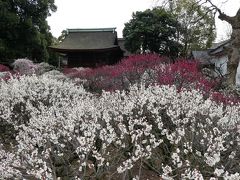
(197, 23)
(152, 30)
(24, 31)
(62, 36)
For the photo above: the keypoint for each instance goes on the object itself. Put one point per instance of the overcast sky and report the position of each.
(112, 13)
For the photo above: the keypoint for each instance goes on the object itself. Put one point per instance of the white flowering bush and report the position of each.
(27, 67)
(43, 67)
(24, 66)
(52, 128)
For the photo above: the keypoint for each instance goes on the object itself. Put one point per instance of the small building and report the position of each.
(90, 47)
(216, 58)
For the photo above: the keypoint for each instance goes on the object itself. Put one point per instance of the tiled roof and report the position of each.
(219, 47)
(88, 39)
(206, 56)
(202, 56)
(218, 44)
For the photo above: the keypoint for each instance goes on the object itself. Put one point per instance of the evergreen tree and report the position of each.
(152, 31)
(24, 31)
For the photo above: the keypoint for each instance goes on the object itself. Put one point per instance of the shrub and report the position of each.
(4, 68)
(120, 76)
(147, 69)
(24, 66)
(42, 68)
(55, 74)
(60, 130)
(4, 72)
(220, 97)
(185, 74)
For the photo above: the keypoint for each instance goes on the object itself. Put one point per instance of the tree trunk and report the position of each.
(233, 56)
(238, 76)
(231, 79)
(234, 47)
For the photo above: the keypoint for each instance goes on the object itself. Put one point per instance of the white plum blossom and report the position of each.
(56, 124)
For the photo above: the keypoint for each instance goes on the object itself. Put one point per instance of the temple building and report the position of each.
(90, 47)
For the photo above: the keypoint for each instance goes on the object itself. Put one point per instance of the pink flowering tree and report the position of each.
(24, 66)
(147, 69)
(4, 72)
(121, 76)
(4, 68)
(185, 74)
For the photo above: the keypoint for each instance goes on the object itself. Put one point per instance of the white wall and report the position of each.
(220, 65)
(238, 75)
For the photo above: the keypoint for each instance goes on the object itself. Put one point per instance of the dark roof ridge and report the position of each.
(111, 29)
(219, 44)
(219, 47)
(88, 39)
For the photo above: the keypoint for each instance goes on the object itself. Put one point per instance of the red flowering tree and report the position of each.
(4, 68)
(150, 67)
(121, 76)
(185, 74)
